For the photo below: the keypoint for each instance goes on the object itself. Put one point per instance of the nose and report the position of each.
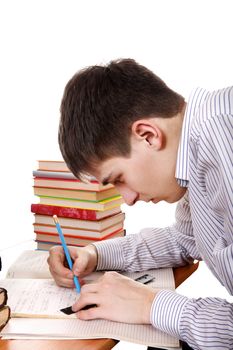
(130, 197)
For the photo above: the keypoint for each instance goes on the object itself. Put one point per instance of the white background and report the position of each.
(43, 43)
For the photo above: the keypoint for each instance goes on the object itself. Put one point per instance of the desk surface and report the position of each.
(180, 274)
(87, 344)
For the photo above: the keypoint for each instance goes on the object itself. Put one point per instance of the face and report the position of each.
(147, 175)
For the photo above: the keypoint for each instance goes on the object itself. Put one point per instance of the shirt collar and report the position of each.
(182, 163)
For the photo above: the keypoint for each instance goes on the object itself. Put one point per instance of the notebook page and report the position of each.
(50, 298)
(37, 297)
(74, 328)
(33, 264)
(163, 278)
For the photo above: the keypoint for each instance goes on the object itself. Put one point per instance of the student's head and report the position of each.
(103, 108)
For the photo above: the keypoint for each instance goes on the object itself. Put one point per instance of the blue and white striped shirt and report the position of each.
(203, 228)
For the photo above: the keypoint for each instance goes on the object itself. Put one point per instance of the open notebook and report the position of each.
(35, 301)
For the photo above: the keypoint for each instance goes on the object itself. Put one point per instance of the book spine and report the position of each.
(108, 199)
(56, 174)
(3, 297)
(74, 213)
(5, 312)
(76, 236)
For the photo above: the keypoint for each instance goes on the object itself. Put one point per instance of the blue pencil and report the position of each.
(66, 251)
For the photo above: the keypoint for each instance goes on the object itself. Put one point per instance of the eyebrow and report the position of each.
(106, 179)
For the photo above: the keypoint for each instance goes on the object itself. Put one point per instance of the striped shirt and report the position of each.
(203, 228)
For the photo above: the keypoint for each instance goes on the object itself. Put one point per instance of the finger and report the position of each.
(89, 288)
(90, 314)
(56, 265)
(74, 252)
(85, 302)
(80, 263)
(62, 272)
(64, 282)
(87, 296)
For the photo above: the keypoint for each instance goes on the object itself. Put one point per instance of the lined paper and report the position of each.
(74, 328)
(33, 299)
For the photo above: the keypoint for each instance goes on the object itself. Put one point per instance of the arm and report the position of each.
(207, 323)
(152, 248)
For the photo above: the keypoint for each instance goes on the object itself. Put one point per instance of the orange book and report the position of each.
(53, 239)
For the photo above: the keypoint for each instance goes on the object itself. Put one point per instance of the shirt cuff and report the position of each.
(110, 254)
(166, 311)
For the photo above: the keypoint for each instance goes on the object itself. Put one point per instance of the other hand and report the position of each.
(117, 298)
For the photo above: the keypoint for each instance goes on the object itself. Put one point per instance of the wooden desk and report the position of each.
(180, 274)
(92, 344)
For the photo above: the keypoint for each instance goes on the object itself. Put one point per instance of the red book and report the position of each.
(75, 213)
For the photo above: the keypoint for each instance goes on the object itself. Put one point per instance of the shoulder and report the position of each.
(213, 112)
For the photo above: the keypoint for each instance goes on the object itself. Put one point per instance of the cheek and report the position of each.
(139, 180)
(150, 182)
(141, 175)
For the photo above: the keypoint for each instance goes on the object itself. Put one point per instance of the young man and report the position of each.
(123, 125)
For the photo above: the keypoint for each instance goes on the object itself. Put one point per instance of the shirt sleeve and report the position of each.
(152, 247)
(205, 323)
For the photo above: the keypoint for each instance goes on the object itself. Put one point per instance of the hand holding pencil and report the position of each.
(83, 259)
(66, 251)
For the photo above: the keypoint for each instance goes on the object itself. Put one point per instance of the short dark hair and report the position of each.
(99, 106)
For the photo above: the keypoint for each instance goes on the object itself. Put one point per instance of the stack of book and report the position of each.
(87, 211)
(5, 311)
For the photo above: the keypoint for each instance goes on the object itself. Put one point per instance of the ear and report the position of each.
(148, 131)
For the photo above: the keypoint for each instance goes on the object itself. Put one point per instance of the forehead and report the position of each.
(110, 167)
